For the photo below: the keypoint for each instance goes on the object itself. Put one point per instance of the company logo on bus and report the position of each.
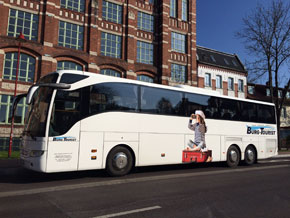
(64, 139)
(261, 130)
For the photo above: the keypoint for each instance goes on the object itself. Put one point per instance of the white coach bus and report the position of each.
(84, 121)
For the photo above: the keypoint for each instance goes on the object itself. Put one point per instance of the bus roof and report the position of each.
(99, 78)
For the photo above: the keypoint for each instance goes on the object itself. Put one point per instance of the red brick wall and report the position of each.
(47, 51)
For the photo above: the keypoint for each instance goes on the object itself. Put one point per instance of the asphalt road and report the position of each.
(195, 190)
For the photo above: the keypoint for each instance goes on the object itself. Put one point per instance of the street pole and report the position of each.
(20, 39)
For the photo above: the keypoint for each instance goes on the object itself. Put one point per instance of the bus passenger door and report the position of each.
(64, 131)
(63, 151)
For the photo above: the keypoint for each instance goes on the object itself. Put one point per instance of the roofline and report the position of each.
(220, 52)
(223, 53)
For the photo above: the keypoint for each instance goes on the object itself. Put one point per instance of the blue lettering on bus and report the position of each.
(261, 130)
(64, 139)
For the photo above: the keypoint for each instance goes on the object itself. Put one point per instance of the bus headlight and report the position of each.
(36, 153)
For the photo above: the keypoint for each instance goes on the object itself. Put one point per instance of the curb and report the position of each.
(282, 155)
(9, 163)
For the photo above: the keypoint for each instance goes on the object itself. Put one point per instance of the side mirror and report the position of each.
(33, 89)
(30, 93)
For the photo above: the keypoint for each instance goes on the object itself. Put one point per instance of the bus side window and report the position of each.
(266, 114)
(248, 112)
(229, 109)
(208, 104)
(159, 101)
(113, 97)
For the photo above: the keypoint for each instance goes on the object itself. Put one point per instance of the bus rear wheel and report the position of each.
(250, 155)
(233, 156)
(119, 161)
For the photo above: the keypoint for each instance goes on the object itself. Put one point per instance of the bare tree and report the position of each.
(266, 34)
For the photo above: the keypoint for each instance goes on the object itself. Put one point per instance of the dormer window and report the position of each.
(226, 61)
(212, 58)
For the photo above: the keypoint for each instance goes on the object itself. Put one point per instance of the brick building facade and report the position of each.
(134, 39)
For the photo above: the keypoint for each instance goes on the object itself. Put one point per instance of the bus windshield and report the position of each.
(35, 122)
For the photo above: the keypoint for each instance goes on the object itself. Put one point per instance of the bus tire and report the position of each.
(250, 155)
(233, 156)
(119, 161)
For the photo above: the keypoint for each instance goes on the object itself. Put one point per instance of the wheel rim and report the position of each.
(120, 160)
(250, 155)
(233, 156)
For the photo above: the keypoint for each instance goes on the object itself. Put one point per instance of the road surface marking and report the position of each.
(132, 180)
(129, 212)
(272, 161)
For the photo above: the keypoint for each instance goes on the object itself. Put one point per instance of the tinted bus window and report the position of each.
(229, 109)
(113, 97)
(205, 103)
(248, 112)
(266, 114)
(70, 78)
(161, 101)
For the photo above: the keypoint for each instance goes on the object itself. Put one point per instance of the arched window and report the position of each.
(110, 72)
(145, 78)
(26, 67)
(68, 65)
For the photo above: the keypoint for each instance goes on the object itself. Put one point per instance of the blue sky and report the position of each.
(218, 20)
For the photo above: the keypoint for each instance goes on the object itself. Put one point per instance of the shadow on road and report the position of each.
(19, 175)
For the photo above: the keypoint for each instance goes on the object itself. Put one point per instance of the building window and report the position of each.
(288, 95)
(241, 85)
(184, 10)
(5, 110)
(145, 78)
(268, 92)
(207, 80)
(112, 12)
(230, 83)
(20, 21)
(74, 5)
(173, 8)
(111, 45)
(68, 65)
(279, 93)
(71, 35)
(4, 143)
(226, 61)
(251, 90)
(178, 73)
(212, 58)
(219, 82)
(178, 42)
(26, 67)
(110, 72)
(144, 52)
(145, 22)
(235, 63)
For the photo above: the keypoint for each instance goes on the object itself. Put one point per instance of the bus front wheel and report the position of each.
(233, 156)
(119, 161)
